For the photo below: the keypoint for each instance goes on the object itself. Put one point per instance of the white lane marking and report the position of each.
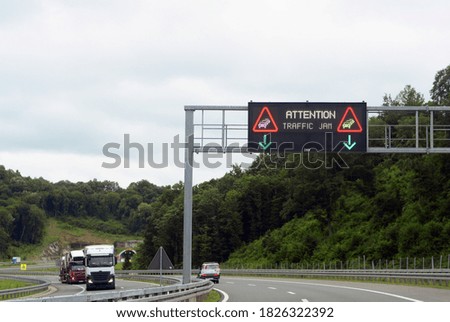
(272, 288)
(305, 300)
(379, 292)
(225, 295)
(292, 293)
(230, 282)
(82, 289)
(251, 285)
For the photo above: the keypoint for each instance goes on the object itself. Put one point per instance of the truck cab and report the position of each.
(99, 264)
(72, 267)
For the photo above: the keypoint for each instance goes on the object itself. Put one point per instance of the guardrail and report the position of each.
(23, 291)
(178, 292)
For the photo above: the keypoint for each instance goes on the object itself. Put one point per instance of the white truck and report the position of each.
(99, 263)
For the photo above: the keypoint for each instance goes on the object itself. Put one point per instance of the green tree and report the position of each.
(440, 92)
(407, 97)
(6, 220)
(128, 254)
(406, 121)
(139, 217)
(28, 226)
(148, 191)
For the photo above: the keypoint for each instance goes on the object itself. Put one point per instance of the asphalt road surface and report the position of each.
(253, 289)
(243, 289)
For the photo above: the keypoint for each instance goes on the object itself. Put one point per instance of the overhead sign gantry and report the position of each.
(305, 126)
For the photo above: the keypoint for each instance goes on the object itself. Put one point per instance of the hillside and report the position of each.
(60, 237)
(36, 214)
(380, 207)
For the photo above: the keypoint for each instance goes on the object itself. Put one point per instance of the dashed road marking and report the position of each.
(292, 293)
(305, 300)
(272, 288)
(251, 285)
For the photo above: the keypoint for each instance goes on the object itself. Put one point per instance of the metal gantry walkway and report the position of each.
(424, 129)
(223, 129)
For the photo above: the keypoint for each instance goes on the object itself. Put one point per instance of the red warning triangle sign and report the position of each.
(349, 122)
(265, 122)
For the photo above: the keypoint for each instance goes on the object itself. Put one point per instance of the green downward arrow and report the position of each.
(349, 145)
(266, 144)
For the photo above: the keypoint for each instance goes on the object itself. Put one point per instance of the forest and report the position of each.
(381, 206)
(26, 204)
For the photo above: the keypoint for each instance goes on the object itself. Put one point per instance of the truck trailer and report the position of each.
(72, 267)
(99, 264)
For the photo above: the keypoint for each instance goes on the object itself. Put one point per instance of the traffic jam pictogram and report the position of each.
(265, 122)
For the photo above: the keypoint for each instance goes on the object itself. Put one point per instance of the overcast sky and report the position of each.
(76, 75)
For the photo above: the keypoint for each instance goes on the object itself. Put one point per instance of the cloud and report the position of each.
(79, 74)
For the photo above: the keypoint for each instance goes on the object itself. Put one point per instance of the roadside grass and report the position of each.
(6, 284)
(213, 296)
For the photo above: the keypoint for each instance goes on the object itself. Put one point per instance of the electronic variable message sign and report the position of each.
(306, 126)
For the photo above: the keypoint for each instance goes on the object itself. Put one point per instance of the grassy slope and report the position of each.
(61, 235)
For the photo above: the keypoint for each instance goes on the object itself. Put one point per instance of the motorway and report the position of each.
(265, 289)
(245, 289)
